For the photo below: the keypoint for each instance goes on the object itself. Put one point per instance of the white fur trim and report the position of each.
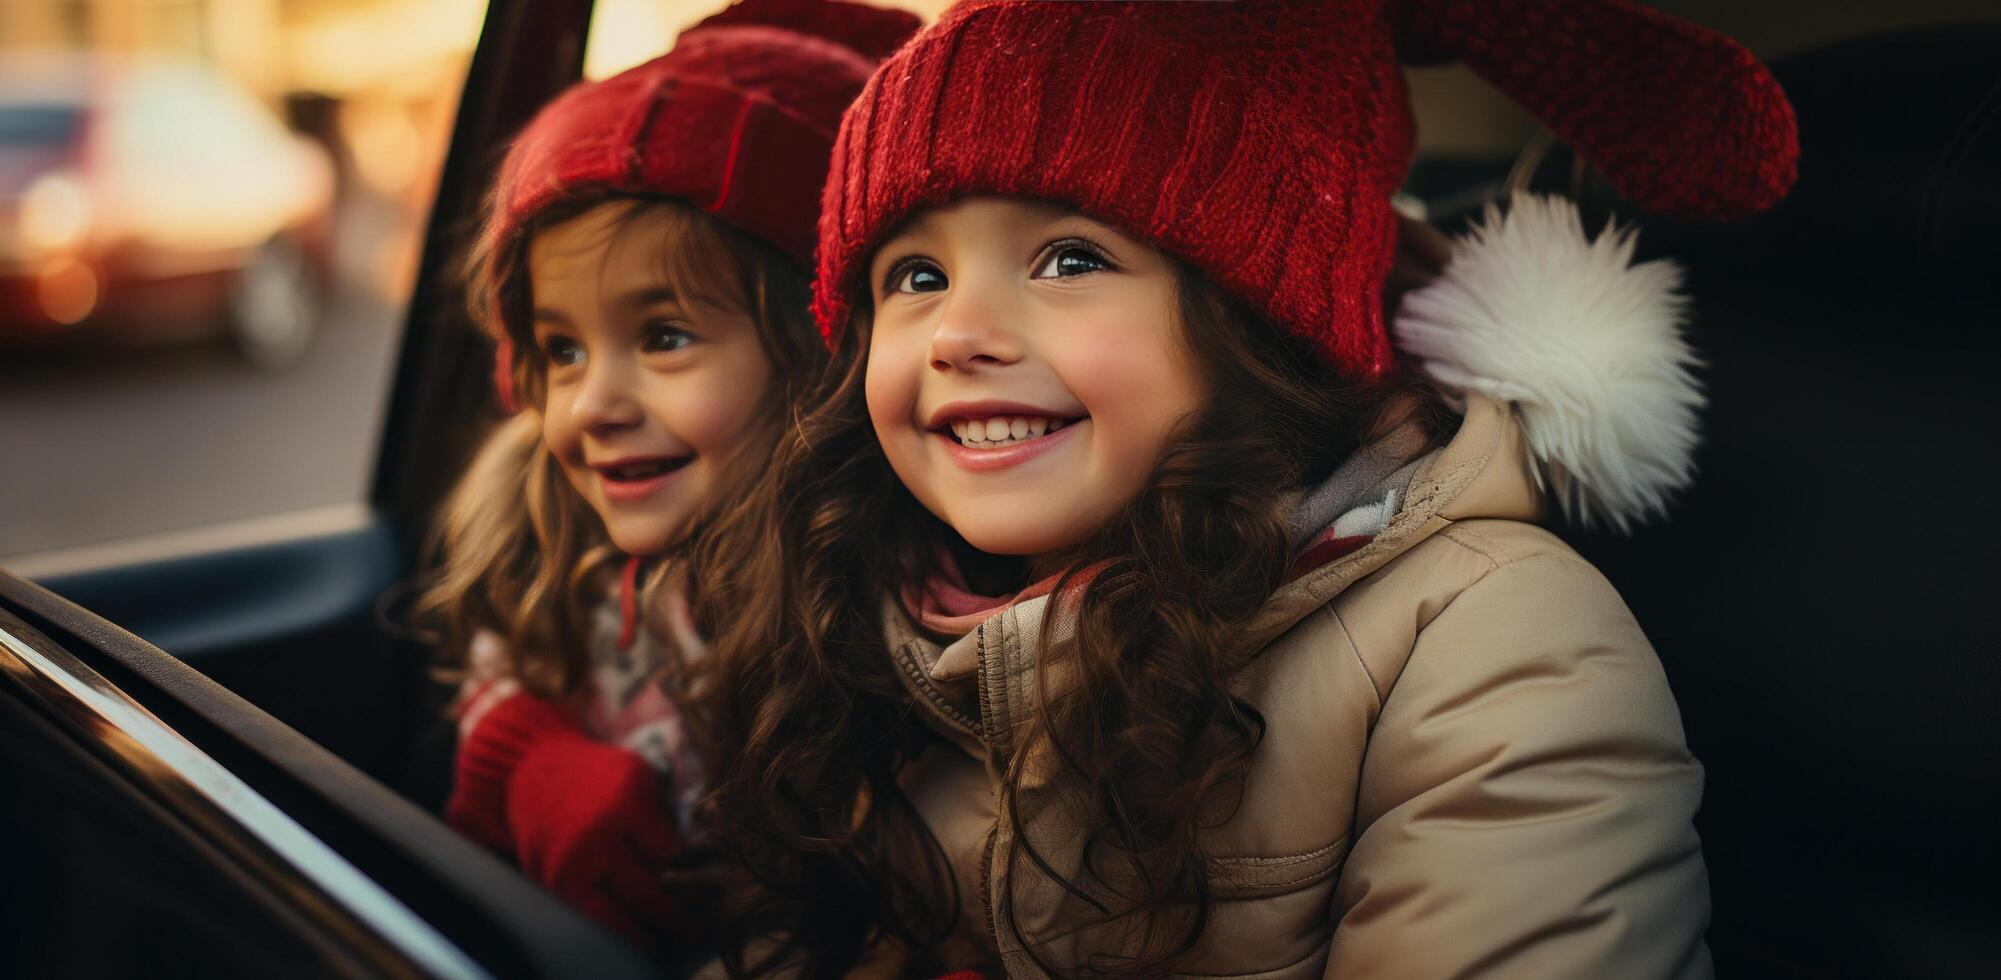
(1587, 345)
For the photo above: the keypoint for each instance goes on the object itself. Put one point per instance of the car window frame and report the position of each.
(441, 398)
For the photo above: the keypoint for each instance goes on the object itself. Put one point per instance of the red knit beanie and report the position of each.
(738, 120)
(1261, 140)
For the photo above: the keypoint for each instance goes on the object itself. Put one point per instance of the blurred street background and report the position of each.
(110, 445)
(210, 212)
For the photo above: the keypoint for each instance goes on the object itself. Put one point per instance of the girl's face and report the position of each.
(1025, 371)
(648, 390)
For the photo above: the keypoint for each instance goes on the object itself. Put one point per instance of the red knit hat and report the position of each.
(1262, 140)
(738, 120)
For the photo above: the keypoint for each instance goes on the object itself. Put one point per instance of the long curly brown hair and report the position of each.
(517, 551)
(804, 726)
(812, 727)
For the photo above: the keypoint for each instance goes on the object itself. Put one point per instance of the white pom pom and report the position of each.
(1587, 345)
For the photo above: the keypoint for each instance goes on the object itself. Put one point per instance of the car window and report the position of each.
(209, 232)
(626, 32)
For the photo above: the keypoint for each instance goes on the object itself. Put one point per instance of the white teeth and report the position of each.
(640, 471)
(1002, 430)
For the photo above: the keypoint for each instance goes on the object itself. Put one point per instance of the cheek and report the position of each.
(562, 438)
(560, 433)
(890, 385)
(1137, 385)
(711, 410)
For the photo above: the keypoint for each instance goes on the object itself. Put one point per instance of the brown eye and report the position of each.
(1071, 260)
(917, 277)
(666, 336)
(562, 351)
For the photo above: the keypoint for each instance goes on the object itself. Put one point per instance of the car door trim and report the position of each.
(298, 525)
(83, 694)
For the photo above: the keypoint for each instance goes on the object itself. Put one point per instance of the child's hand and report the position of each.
(585, 819)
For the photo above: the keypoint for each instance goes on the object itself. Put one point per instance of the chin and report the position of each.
(997, 537)
(643, 540)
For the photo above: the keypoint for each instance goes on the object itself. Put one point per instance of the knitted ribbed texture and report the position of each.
(738, 119)
(1261, 140)
(488, 760)
(585, 819)
(1684, 121)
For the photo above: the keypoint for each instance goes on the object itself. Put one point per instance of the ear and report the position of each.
(503, 376)
(1586, 344)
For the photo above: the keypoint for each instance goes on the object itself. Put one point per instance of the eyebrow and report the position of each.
(632, 299)
(1052, 211)
(924, 222)
(649, 296)
(909, 237)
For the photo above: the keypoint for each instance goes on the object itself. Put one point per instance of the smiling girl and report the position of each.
(1126, 603)
(642, 267)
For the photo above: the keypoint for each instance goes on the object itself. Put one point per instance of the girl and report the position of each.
(1231, 649)
(642, 268)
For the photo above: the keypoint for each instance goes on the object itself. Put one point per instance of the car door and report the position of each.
(158, 825)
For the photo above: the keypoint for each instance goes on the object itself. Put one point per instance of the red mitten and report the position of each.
(584, 818)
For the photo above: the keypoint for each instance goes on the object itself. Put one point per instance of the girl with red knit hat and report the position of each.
(643, 268)
(1139, 594)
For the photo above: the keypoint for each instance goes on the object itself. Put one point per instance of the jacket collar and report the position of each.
(1484, 471)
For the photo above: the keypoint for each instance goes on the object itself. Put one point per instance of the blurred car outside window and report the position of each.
(210, 219)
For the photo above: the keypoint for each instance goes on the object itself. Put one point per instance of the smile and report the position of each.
(636, 478)
(972, 450)
(1003, 430)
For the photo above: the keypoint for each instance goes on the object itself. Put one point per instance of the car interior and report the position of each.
(1823, 599)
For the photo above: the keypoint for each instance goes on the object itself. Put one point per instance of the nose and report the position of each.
(974, 329)
(605, 400)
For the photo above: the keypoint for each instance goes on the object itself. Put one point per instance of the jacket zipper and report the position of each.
(920, 685)
(987, 884)
(993, 832)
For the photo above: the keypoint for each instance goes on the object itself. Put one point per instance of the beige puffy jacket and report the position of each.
(1473, 766)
